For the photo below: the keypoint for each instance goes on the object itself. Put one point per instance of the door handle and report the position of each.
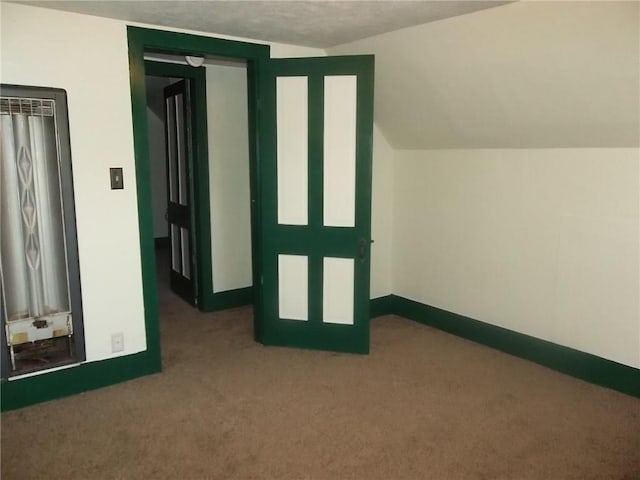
(362, 249)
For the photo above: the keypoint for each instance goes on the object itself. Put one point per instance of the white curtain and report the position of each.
(32, 248)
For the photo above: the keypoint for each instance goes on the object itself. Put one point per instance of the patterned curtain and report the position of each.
(32, 243)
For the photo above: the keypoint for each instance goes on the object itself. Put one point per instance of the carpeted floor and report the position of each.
(422, 405)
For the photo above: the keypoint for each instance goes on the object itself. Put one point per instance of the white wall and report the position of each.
(101, 136)
(227, 124)
(88, 58)
(282, 50)
(228, 131)
(541, 241)
(101, 132)
(381, 215)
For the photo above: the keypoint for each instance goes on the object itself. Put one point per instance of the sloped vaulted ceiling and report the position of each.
(522, 75)
(529, 74)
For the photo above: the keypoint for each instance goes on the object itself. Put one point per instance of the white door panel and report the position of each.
(340, 95)
(292, 157)
(293, 274)
(338, 290)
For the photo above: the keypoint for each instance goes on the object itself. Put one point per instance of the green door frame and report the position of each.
(96, 374)
(141, 41)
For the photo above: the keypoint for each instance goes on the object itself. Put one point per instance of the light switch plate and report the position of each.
(117, 183)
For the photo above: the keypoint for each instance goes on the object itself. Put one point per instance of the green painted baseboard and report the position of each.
(81, 378)
(89, 376)
(584, 366)
(381, 306)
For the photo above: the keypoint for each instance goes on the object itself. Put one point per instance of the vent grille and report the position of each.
(27, 106)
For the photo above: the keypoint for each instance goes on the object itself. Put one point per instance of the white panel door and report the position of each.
(315, 182)
(179, 148)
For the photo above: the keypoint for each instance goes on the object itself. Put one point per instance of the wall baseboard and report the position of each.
(575, 363)
(27, 391)
(81, 378)
(89, 376)
(381, 306)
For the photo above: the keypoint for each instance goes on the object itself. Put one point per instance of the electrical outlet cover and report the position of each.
(117, 342)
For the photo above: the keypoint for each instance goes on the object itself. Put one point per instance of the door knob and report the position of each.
(362, 249)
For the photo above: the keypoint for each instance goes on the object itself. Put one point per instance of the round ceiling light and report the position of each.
(194, 61)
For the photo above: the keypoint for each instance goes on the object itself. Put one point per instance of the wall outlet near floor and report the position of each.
(117, 342)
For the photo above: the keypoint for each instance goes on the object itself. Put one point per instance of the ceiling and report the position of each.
(316, 23)
(528, 74)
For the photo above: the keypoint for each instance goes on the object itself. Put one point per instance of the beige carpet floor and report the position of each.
(422, 405)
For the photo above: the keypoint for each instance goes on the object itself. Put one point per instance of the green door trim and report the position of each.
(141, 41)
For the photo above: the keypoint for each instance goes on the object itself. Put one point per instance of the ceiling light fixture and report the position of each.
(194, 61)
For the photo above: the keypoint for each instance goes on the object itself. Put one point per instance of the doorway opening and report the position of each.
(157, 44)
(310, 193)
(198, 134)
